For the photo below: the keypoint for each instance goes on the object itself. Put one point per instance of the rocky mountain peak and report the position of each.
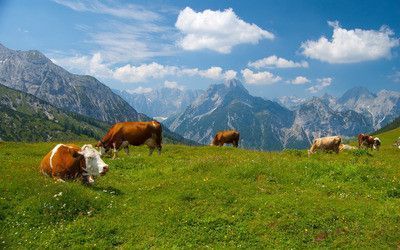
(355, 94)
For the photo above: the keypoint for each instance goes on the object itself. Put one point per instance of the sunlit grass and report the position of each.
(205, 197)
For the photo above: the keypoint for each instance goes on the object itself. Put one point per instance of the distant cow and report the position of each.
(123, 134)
(343, 147)
(377, 143)
(330, 143)
(228, 136)
(70, 161)
(367, 141)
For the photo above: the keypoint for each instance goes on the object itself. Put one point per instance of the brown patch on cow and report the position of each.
(66, 163)
(135, 133)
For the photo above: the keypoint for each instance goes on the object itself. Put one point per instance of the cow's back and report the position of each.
(137, 133)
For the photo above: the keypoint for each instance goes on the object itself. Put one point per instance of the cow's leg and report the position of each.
(235, 144)
(115, 151)
(126, 150)
(151, 149)
(159, 149)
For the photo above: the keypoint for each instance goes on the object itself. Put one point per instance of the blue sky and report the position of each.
(276, 48)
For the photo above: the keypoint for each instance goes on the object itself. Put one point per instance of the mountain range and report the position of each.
(160, 103)
(25, 117)
(270, 125)
(81, 97)
(33, 73)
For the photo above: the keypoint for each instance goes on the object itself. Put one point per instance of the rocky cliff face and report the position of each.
(33, 73)
(267, 125)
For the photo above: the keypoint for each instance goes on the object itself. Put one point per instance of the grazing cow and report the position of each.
(123, 134)
(70, 162)
(366, 141)
(343, 147)
(325, 144)
(228, 136)
(377, 143)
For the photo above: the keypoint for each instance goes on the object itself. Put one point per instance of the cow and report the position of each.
(123, 134)
(377, 143)
(228, 136)
(365, 140)
(68, 161)
(326, 144)
(343, 147)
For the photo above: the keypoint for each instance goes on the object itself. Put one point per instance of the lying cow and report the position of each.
(343, 147)
(397, 143)
(123, 134)
(70, 161)
(228, 136)
(330, 143)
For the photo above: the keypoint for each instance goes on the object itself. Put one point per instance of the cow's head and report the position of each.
(94, 164)
(377, 143)
(103, 148)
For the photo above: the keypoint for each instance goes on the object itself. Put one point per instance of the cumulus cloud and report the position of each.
(300, 80)
(216, 30)
(139, 90)
(230, 74)
(88, 65)
(351, 46)
(263, 77)
(173, 85)
(129, 73)
(277, 62)
(322, 83)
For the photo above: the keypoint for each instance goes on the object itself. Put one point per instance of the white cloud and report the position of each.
(277, 62)
(230, 74)
(322, 83)
(300, 80)
(350, 46)
(173, 85)
(87, 65)
(263, 77)
(216, 30)
(129, 73)
(139, 90)
(128, 11)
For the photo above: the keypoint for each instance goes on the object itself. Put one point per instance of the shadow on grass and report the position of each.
(108, 190)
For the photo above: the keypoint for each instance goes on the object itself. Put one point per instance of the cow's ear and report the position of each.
(77, 154)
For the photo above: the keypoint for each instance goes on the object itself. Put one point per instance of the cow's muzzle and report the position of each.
(105, 170)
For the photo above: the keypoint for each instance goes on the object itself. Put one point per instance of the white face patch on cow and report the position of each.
(94, 164)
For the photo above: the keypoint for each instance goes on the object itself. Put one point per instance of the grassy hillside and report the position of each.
(205, 197)
(24, 117)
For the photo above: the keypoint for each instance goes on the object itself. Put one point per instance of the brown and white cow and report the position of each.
(367, 141)
(228, 136)
(330, 143)
(70, 161)
(123, 134)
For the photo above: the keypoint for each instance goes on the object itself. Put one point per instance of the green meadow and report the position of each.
(198, 197)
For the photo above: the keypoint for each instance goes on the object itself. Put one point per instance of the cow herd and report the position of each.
(68, 161)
